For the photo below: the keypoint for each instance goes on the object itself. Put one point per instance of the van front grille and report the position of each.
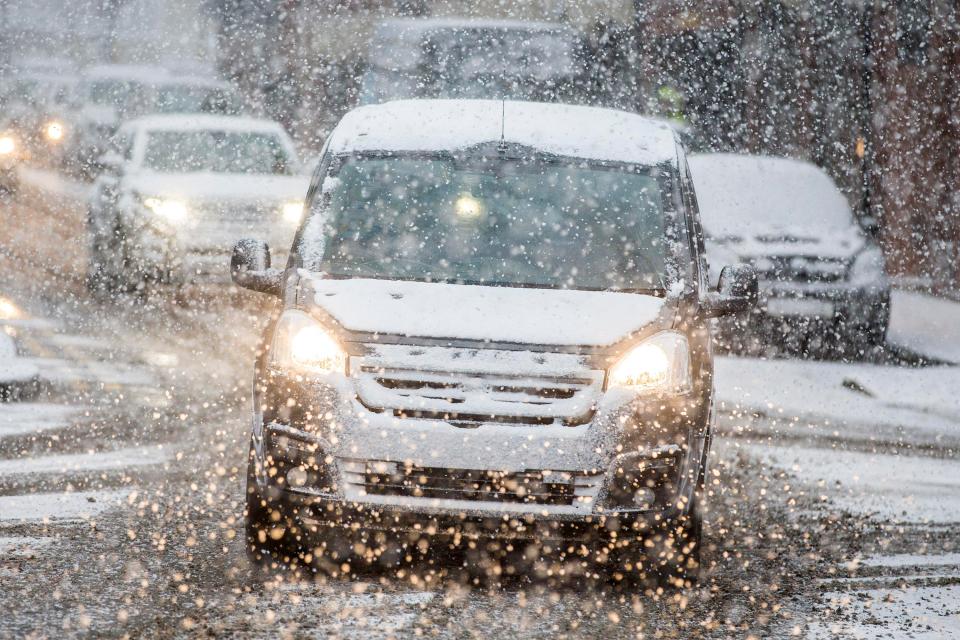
(382, 478)
(476, 394)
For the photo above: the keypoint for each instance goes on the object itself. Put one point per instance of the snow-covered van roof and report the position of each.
(591, 133)
(198, 122)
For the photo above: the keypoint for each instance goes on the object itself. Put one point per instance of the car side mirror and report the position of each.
(250, 267)
(737, 291)
(870, 225)
(111, 161)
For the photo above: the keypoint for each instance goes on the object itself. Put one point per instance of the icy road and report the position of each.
(833, 510)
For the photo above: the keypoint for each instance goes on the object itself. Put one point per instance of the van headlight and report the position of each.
(659, 364)
(302, 345)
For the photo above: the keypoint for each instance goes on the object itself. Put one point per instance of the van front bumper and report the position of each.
(621, 475)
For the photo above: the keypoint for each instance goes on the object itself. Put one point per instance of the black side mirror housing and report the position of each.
(250, 267)
(738, 291)
(111, 161)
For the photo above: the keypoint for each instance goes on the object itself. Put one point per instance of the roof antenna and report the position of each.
(502, 147)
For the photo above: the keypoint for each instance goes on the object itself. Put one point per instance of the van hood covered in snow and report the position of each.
(472, 312)
(221, 186)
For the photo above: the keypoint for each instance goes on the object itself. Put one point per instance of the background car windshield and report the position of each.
(216, 151)
(195, 99)
(474, 63)
(496, 222)
(118, 93)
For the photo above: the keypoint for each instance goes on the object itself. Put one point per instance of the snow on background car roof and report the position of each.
(204, 122)
(442, 125)
(740, 192)
(125, 72)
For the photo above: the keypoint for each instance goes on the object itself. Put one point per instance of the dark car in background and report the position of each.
(495, 328)
(821, 276)
(468, 58)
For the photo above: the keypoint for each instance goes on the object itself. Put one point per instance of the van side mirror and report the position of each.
(737, 291)
(250, 267)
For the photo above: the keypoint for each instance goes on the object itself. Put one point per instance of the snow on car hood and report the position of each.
(220, 186)
(772, 241)
(471, 312)
(762, 206)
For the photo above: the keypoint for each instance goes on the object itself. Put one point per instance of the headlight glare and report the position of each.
(171, 210)
(293, 211)
(302, 345)
(659, 364)
(54, 131)
(7, 145)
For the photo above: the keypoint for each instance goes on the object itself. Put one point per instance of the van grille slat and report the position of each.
(379, 478)
(474, 396)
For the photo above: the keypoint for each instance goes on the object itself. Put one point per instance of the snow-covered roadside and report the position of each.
(887, 486)
(925, 324)
(919, 612)
(53, 183)
(869, 402)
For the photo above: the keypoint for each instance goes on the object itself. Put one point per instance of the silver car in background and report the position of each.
(177, 192)
(821, 276)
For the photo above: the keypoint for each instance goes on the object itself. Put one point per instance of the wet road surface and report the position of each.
(121, 495)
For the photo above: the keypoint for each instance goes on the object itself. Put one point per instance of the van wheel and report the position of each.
(267, 527)
(676, 557)
(667, 558)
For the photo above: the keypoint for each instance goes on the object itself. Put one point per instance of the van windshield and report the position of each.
(496, 221)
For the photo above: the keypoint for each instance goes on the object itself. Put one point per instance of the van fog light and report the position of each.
(644, 498)
(297, 477)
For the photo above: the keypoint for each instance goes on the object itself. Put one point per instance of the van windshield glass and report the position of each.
(496, 221)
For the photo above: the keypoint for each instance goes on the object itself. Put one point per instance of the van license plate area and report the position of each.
(806, 307)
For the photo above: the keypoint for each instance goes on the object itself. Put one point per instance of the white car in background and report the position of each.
(177, 192)
(820, 275)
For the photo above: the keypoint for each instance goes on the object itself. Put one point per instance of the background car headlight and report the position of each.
(661, 363)
(54, 131)
(301, 344)
(7, 145)
(869, 267)
(171, 210)
(293, 211)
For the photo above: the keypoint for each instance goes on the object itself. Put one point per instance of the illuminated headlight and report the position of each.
(169, 209)
(293, 211)
(467, 207)
(659, 364)
(54, 131)
(7, 145)
(302, 345)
